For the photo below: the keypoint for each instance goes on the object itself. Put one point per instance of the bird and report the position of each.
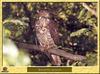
(47, 33)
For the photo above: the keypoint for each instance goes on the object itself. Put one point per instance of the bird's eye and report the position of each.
(47, 19)
(40, 18)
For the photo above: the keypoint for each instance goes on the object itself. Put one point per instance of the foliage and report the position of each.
(77, 29)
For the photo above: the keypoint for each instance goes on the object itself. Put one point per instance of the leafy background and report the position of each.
(77, 31)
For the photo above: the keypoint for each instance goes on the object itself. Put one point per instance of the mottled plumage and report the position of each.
(47, 33)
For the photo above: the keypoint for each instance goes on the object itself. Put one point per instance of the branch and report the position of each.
(59, 52)
(89, 9)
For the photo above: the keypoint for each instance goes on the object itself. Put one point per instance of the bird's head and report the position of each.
(43, 13)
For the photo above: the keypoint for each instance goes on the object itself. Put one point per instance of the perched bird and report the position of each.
(47, 33)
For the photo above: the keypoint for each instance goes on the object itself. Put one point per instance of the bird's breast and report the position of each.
(43, 34)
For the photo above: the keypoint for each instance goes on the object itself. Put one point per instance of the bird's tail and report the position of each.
(56, 60)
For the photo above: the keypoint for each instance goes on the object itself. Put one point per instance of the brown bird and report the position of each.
(47, 33)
